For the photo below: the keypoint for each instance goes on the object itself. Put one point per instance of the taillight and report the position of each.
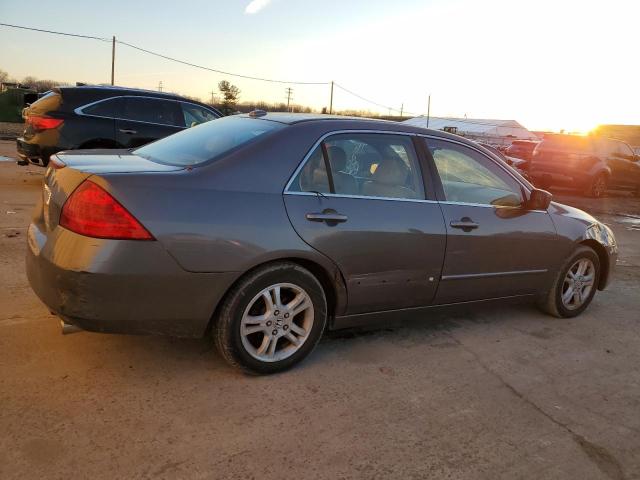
(93, 212)
(43, 123)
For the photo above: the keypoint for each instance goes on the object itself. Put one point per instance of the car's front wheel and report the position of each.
(598, 186)
(272, 319)
(574, 286)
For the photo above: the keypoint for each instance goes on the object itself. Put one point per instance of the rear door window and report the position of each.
(364, 165)
(152, 110)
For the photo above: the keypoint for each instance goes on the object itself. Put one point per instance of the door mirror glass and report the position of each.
(539, 200)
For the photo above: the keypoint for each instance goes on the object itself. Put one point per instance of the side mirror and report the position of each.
(539, 200)
(635, 158)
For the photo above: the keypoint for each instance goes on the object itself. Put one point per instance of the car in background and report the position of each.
(522, 149)
(90, 117)
(263, 229)
(591, 163)
(516, 163)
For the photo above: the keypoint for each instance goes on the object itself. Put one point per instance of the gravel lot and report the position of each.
(10, 130)
(477, 393)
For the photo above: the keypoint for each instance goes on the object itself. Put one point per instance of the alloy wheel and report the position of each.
(578, 283)
(277, 322)
(599, 186)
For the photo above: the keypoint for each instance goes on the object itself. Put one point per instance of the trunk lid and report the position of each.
(111, 161)
(69, 169)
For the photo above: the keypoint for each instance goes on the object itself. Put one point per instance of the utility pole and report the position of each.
(289, 92)
(331, 100)
(113, 59)
(401, 109)
(213, 97)
(428, 110)
(160, 86)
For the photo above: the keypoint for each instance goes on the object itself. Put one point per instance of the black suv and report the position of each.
(69, 118)
(591, 163)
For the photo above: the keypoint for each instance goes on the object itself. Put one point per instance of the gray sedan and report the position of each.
(264, 229)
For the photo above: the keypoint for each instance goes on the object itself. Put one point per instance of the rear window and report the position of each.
(49, 103)
(567, 143)
(208, 141)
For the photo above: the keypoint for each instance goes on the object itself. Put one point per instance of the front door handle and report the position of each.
(329, 217)
(127, 131)
(465, 224)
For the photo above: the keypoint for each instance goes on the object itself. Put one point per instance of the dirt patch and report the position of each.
(9, 130)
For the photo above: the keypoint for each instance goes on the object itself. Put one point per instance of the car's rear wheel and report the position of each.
(272, 319)
(574, 286)
(598, 186)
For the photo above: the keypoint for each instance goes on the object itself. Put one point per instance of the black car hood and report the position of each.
(111, 161)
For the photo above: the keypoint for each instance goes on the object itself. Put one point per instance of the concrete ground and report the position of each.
(492, 392)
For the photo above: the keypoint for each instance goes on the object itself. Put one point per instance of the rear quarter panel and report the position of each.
(228, 216)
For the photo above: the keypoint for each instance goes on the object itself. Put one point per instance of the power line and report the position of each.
(386, 107)
(166, 57)
(56, 33)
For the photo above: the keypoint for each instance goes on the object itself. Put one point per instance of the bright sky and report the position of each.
(549, 64)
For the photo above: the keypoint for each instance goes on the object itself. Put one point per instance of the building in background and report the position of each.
(495, 132)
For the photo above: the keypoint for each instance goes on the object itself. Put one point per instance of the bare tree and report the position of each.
(4, 76)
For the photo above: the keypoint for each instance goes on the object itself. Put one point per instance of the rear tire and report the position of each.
(598, 186)
(272, 319)
(562, 300)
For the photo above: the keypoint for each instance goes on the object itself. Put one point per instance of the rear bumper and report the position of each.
(115, 286)
(33, 153)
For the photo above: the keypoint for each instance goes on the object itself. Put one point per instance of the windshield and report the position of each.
(208, 141)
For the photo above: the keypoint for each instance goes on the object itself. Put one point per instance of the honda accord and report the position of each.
(262, 230)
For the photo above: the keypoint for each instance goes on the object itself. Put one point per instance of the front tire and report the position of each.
(574, 286)
(272, 319)
(598, 186)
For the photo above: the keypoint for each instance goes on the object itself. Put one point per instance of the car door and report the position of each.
(145, 119)
(359, 199)
(625, 170)
(495, 246)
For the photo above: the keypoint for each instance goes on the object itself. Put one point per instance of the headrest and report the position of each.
(391, 171)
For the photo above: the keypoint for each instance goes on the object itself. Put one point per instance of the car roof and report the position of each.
(112, 90)
(340, 122)
(292, 118)
(118, 89)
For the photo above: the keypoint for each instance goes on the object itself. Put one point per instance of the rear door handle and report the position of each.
(127, 131)
(326, 217)
(466, 224)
